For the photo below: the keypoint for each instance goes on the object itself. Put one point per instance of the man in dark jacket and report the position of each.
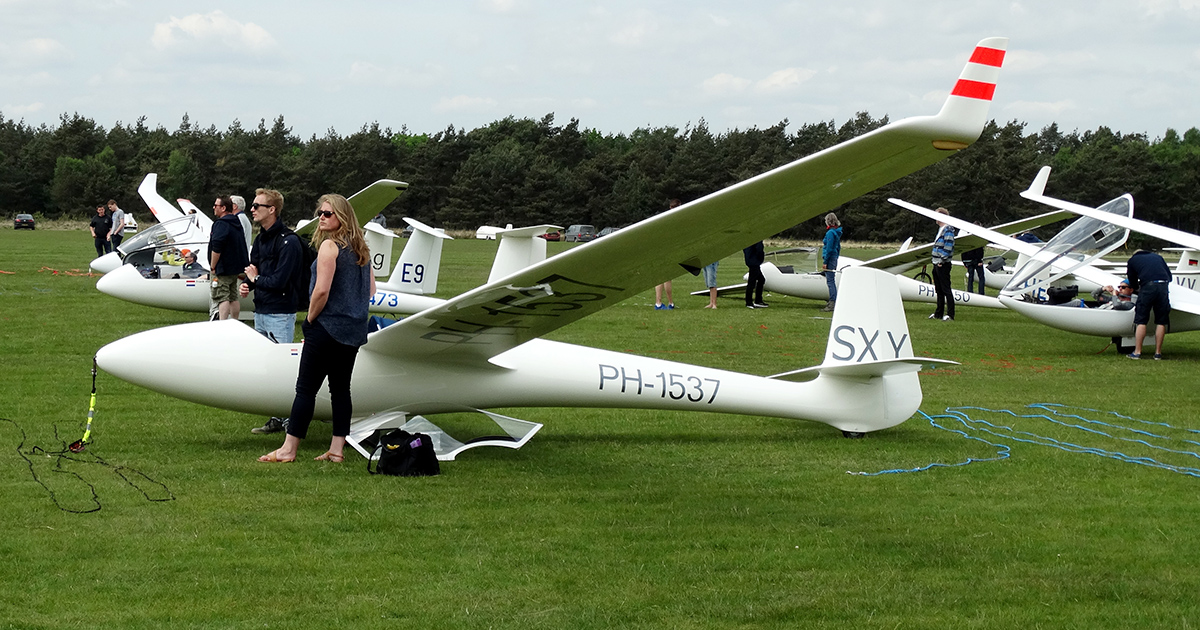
(275, 275)
(227, 258)
(1150, 278)
(754, 257)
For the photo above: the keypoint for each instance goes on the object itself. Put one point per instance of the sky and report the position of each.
(616, 66)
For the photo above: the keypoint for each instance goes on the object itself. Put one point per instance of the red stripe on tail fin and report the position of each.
(974, 89)
(988, 56)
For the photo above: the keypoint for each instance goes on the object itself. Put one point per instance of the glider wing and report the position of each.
(562, 289)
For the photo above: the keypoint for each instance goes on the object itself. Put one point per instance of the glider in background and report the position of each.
(1067, 257)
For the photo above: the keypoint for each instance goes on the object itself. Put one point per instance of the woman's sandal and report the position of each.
(329, 456)
(273, 458)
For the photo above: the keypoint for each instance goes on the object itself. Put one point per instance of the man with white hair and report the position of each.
(239, 205)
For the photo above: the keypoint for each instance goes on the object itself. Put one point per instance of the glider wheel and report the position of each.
(853, 435)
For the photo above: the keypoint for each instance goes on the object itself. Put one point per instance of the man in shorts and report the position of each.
(1150, 278)
(227, 258)
(710, 281)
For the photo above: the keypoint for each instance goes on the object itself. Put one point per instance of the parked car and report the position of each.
(23, 221)
(606, 231)
(556, 235)
(131, 225)
(580, 233)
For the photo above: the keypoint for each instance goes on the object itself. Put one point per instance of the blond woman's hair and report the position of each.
(349, 234)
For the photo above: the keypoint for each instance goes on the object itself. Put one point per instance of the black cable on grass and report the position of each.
(131, 476)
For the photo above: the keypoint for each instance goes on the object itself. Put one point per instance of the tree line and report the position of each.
(525, 171)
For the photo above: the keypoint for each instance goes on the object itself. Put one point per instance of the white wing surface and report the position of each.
(560, 290)
(367, 202)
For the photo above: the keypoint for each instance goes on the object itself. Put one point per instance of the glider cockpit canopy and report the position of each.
(1079, 244)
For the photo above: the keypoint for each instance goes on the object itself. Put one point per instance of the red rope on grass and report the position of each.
(72, 272)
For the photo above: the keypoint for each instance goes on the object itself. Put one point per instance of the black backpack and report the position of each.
(406, 455)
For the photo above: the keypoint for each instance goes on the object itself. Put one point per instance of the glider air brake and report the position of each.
(482, 349)
(1055, 257)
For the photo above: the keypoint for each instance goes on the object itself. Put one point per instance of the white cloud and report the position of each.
(212, 30)
(463, 103)
(17, 111)
(785, 79)
(36, 52)
(724, 84)
(637, 31)
(1040, 109)
(499, 6)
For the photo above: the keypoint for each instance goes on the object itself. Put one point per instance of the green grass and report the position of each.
(607, 518)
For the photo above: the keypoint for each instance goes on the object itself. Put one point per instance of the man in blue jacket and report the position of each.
(1150, 278)
(275, 275)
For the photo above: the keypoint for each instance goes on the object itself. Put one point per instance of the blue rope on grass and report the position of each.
(1072, 421)
(1001, 453)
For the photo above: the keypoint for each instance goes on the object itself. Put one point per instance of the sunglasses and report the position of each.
(324, 213)
(256, 206)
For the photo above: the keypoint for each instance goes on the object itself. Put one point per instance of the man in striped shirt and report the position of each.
(943, 251)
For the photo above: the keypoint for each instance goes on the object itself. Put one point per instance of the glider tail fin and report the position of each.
(869, 367)
(416, 270)
(868, 320)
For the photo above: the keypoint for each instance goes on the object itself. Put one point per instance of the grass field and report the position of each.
(607, 518)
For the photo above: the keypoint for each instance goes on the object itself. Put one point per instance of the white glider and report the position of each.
(784, 280)
(1055, 255)
(157, 252)
(483, 350)
(406, 291)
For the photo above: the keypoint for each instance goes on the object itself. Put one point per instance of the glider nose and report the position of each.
(106, 263)
(138, 358)
(121, 282)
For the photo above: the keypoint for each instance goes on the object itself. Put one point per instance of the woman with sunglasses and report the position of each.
(341, 288)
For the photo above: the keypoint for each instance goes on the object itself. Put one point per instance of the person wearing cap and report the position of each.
(1150, 278)
(1115, 299)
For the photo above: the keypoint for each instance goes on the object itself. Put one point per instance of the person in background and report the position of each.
(1150, 278)
(943, 253)
(117, 234)
(659, 290)
(973, 260)
(710, 281)
(341, 288)
(1121, 300)
(831, 249)
(754, 256)
(101, 227)
(227, 259)
(239, 207)
(275, 276)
